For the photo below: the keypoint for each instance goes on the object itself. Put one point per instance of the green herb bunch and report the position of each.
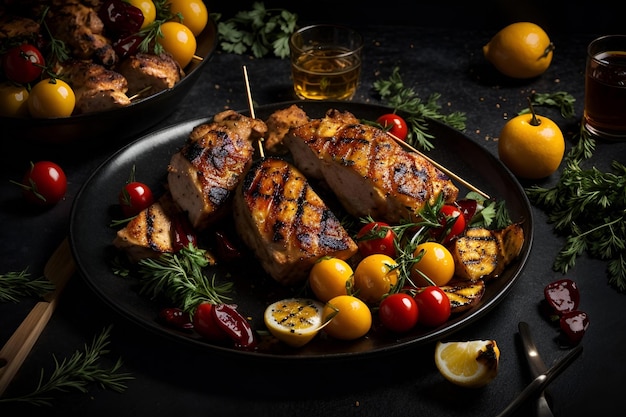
(78, 372)
(259, 31)
(415, 111)
(17, 284)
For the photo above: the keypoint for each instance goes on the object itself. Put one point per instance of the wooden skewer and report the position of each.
(251, 106)
(439, 166)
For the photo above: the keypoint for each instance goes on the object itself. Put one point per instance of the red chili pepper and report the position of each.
(562, 296)
(120, 17)
(183, 232)
(176, 318)
(574, 324)
(235, 325)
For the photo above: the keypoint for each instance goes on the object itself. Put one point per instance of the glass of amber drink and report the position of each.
(605, 87)
(325, 62)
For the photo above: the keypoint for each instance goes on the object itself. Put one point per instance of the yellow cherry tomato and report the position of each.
(374, 276)
(148, 9)
(194, 12)
(436, 263)
(179, 41)
(351, 317)
(13, 100)
(329, 278)
(51, 98)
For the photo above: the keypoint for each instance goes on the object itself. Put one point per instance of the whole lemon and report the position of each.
(531, 146)
(520, 50)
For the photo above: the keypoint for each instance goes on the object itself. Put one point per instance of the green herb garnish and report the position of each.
(78, 372)
(17, 284)
(561, 99)
(258, 30)
(402, 98)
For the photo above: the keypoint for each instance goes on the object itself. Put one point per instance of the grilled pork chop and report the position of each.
(287, 225)
(370, 174)
(204, 173)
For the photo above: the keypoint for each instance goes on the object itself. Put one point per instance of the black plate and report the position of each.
(91, 237)
(122, 124)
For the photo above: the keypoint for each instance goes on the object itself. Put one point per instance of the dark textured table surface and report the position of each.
(171, 379)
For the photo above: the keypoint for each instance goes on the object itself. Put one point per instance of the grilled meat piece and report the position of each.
(150, 233)
(286, 224)
(204, 173)
(18, 27)
(96, 87)
(147, 74)
(82, 31)
(278, 125)
(370, 173)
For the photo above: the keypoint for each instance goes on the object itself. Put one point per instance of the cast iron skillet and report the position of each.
(91, 239)
(118, 125)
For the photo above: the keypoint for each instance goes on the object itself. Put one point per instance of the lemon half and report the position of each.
(295, 321)
(468, 364)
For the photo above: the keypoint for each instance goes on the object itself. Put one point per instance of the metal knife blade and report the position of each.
(535, 363)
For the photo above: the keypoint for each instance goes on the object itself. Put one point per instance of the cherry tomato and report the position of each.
(436, 263)
(450, 213)
(394, 124)
(206, 325)
(374, 277)
(179, 41)
(235, 326)
(376, 237)
(351, 317)
(23, 63)
(135, 197)
(434, 306)
(44, 184)
(148, 10)
(398, 312)
(51, 98)
(329, 278)
(194, 12)
(13, 100)
(469, 208)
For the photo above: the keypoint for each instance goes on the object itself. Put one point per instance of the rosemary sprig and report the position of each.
(560, 99)
(17, 284)
(402, 98)
(78, 372)
(58, 48)
(259, 30)
(179, 276)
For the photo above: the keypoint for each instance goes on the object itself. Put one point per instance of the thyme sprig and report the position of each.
(404, 99)
(180, 277)
(259, 30)
(588, 207)
(78, 372)
(17, 284)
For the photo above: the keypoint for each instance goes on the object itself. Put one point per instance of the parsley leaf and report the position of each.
(260, 31)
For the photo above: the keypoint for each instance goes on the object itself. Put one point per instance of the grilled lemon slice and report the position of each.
(468, 364)
(295, 321)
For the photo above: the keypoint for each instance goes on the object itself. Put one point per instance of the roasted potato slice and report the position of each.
(464, 294)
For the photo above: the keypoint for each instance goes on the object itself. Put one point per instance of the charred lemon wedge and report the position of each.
(294, 321)
(468, 364)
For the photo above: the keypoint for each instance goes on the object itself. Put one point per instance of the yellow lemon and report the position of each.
(520, 50)
(294, 321)
(468, 364)
(531, 146)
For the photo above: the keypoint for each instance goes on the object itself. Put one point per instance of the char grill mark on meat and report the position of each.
(287, 225)
(370, 174)
(204, 173)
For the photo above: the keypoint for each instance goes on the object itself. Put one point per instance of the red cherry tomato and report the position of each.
(44, 184)
(376, 238)
(398, 312)
(235, 326)
(206, 325)
(394, 124)
(469, 208)
(23, 63)
(135, 197)
(434, 306)
(450, 213)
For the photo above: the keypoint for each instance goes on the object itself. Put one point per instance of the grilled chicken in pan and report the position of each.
(148, 74)
(278, 125)
(370, 174)
(287, 225)
(204, 173)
